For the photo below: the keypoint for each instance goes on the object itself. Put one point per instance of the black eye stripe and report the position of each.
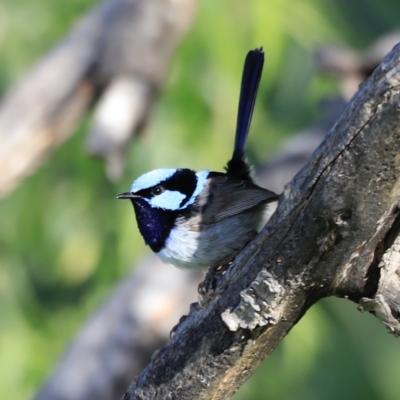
(183, 181)
(147, 193)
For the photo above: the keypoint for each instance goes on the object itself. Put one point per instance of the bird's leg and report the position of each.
(208, 288)
(215, 271)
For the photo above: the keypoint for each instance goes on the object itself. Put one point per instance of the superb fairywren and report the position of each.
(199, 219)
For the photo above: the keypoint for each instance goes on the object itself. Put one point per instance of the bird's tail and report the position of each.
(252, 71)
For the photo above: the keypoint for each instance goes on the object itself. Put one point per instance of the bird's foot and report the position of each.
(208, 288)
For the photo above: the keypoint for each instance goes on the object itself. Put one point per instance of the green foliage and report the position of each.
(65, 241)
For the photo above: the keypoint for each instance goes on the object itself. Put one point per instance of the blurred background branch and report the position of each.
(65, 243)
(120, 52)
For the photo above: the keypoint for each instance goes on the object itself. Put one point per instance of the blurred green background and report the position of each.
(65, 241)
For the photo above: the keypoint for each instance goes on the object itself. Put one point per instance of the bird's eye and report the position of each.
(157, 190)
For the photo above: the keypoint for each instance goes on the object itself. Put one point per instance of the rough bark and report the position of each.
(334, 234)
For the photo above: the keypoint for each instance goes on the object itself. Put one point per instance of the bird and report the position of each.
(197, 220)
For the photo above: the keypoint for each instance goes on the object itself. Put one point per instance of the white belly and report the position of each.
(199, 247)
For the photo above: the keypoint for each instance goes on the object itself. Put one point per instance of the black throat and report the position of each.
(154, 224)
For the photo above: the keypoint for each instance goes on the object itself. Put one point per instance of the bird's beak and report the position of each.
(127, 195)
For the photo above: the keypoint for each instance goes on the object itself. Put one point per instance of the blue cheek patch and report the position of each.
(151, 178)
(168, 200)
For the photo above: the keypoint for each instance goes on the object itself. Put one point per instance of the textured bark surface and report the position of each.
(333, 233)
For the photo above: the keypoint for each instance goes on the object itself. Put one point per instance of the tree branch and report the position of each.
(335, 221)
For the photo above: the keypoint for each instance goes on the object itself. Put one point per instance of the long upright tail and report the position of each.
(252, 71)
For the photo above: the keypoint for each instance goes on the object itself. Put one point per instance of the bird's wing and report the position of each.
(229, 196)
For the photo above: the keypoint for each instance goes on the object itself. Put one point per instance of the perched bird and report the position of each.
(201, 219)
